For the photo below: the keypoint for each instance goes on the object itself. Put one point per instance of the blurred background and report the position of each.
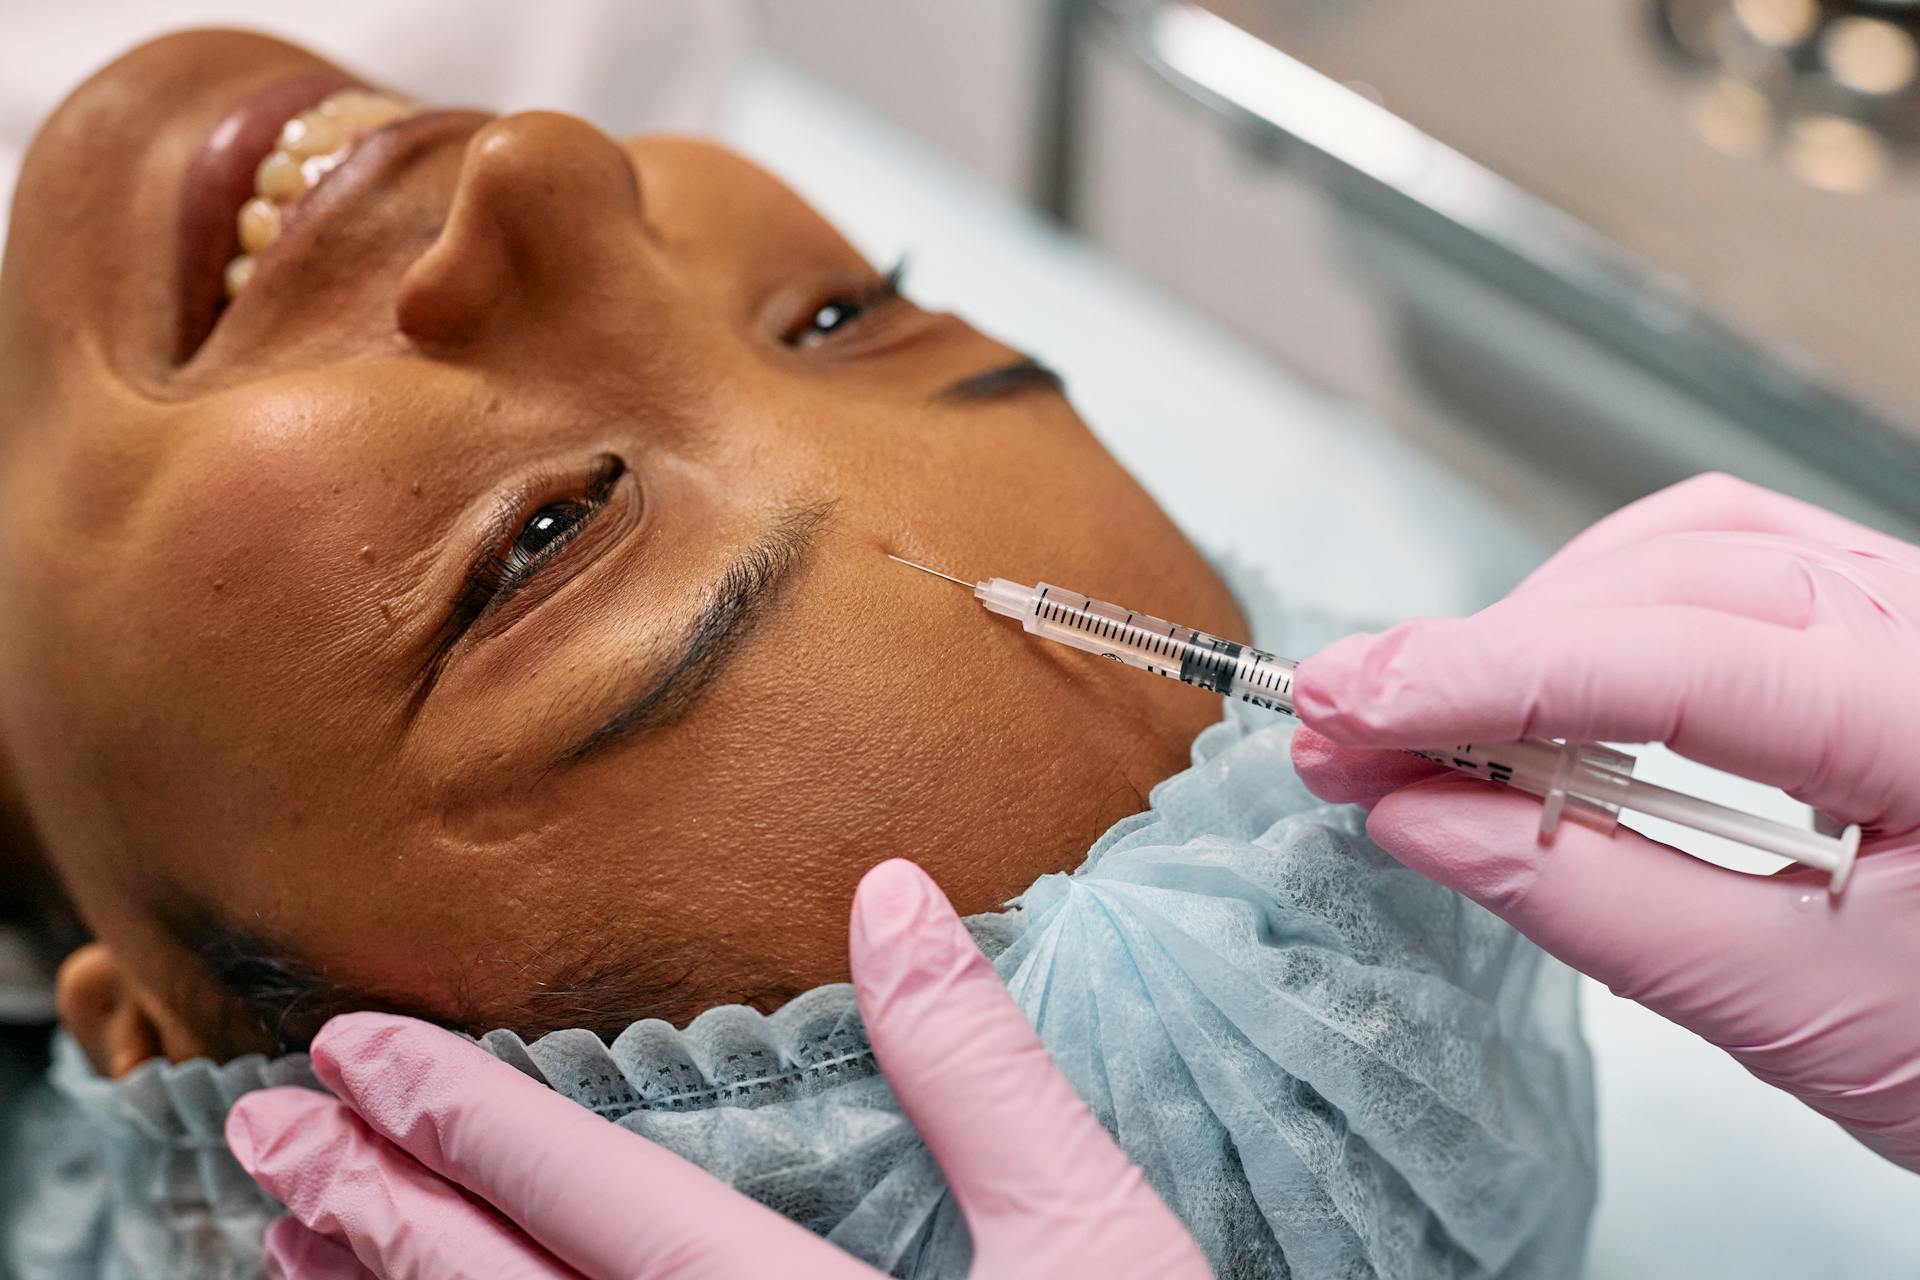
(1576, 250)
(1385, 298)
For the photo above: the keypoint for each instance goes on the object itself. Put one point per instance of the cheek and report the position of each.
(235, 674)
(237, 568)
(278, 554)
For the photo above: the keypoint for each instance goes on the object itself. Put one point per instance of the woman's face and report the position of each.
(490, 612)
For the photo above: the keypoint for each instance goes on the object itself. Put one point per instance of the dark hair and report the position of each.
(274, 1001)
(35, 906)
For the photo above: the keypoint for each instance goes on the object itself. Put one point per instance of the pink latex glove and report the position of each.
(438, 1160)
(1751, 632)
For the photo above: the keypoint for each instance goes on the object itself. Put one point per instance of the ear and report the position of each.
(116, 1022)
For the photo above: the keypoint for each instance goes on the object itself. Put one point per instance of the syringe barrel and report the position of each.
(1144, 641)
(1583, 780)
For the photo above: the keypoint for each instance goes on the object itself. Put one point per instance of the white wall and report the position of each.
(961, 75)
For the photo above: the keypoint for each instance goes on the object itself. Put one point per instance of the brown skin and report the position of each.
(225, 579)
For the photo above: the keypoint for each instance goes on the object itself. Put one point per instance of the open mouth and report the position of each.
(310, 146)
(253, 175)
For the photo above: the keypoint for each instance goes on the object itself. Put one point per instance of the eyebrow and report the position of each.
(1023, 375)
(736, 603)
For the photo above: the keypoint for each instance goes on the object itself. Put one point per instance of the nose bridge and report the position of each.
(545, 208)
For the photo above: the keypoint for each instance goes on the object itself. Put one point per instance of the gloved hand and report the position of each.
(1751, 632)
(440, 1161)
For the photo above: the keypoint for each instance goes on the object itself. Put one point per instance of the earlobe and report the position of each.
(106, 1012)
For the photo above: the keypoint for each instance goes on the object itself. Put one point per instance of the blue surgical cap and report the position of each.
(1326, 1065)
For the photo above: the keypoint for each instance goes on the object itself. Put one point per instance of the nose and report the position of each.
(542, 199)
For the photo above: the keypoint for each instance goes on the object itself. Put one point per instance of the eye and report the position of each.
(836, 314)
(832, 317)
(550, 524)
(548, 530)
(847, 308)
(503, 570)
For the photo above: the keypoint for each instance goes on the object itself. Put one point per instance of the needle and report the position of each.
(935, 572)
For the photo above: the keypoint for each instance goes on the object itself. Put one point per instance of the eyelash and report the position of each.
(495, 576)
(861, 302)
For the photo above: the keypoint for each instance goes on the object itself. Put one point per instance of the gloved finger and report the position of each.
(1695, 943)
(293, 1251)
(1717, 502)
(337, 1177)
(603, 1200)
(1354, 775)
(1754, 576)
(1018, 1146)
(1753, 699)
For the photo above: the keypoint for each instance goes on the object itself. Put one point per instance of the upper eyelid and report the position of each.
(595, 493)
(509, 513)
(519, 575)
(883, 288)
(509, 519)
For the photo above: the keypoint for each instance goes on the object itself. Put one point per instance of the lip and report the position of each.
(217, 182)
(374, 156)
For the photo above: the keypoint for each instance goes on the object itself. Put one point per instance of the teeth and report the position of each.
(357, 108)
(310, 144)
(259, 224)
(311, 134)
(278, 177)
(239, 271)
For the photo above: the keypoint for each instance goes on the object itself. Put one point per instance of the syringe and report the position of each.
(1585, 779)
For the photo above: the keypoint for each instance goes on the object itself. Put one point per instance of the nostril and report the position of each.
(449, 292)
